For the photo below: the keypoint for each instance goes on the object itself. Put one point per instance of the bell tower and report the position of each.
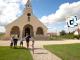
(28, 7)
(28, 10)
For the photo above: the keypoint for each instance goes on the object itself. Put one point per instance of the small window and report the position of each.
(29, 14)
(39, 31)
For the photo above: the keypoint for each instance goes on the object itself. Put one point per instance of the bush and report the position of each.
(54, 37)
(66, 36)
(62, 32)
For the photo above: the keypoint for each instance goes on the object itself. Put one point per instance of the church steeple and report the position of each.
(28, 10)
(28, 4)
(28, 7)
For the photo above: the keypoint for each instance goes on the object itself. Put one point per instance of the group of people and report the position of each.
(15, 38)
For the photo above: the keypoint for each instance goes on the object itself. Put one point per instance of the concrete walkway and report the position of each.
(40, 53)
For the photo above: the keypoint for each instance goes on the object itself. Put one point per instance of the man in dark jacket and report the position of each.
(27, 40)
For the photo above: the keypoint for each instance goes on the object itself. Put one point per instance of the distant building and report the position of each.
(26, 24)
(77, 31)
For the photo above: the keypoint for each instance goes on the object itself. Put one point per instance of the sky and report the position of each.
(51, 13)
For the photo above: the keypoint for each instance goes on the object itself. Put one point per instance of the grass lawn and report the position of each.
(66, 51)
(7, 53)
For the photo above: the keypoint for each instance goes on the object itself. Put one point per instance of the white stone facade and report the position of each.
(27, 23)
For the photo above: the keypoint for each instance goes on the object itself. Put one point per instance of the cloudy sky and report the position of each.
(52, 13)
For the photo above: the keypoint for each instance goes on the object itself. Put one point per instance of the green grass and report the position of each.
(7, 53)
(66, 52)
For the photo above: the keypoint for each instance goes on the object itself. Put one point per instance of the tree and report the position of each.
(62, 32)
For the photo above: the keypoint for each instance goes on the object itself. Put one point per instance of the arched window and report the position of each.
(29, 14)
(28, 29)
(15, 31)
(39, 31)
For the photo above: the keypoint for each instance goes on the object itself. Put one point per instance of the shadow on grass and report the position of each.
(21, 48)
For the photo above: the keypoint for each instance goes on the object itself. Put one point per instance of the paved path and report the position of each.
(40, 53)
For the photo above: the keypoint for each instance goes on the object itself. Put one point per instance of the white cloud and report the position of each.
(65, 10)
(24, 1)
(9, 10)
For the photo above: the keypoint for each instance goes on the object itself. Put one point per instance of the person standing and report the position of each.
(27, 40)
(15, 39)
(11, 44)
(21, 43)
(32, 44)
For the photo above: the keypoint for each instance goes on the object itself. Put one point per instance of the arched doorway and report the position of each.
(39, 31)
(15, 31)
(28, 29)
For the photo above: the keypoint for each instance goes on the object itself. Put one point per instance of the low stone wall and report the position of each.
(41, 37)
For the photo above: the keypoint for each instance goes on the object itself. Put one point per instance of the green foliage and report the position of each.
(62, 32)
(54, 37)
(66, 36)
(65, 51)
